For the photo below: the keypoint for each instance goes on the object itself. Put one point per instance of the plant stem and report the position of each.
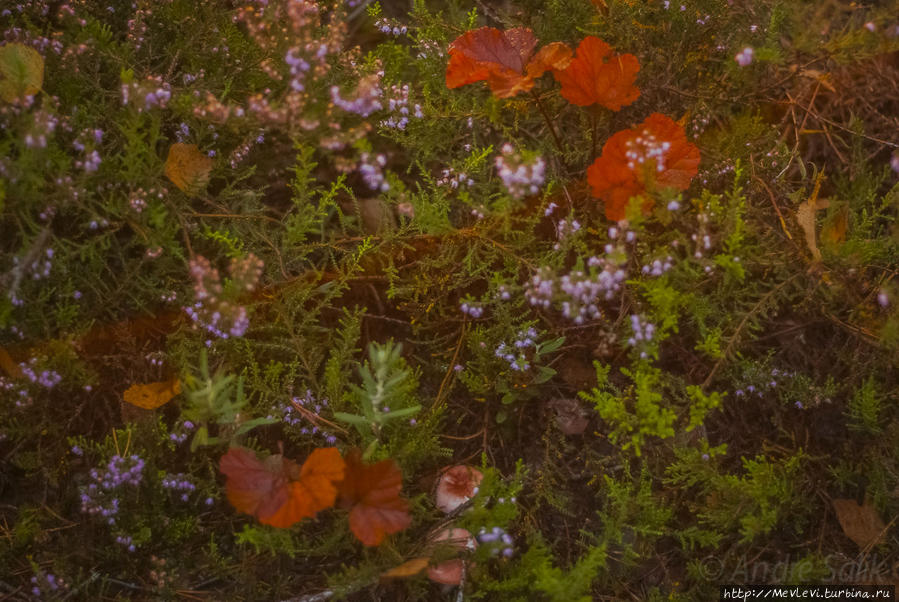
(549, 123)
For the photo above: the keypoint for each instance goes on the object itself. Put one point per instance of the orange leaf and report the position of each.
(505, 59)
(408, 568)
(277, 491)
(315, 490)
(655, 154)
(152, 395)
(8, 365)
(598, 76)
(373, 492)
(187, 167)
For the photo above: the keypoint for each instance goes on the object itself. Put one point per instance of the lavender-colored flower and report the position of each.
(745, 56)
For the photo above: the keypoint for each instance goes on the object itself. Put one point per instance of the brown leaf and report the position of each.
(277, 491)
(505, 59)
(373, 493)
(861, 524)
(187, 167)
(408, 568)
(150, 396)
(9, 365)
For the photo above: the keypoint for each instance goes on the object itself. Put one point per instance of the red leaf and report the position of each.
(276, 490)
(373, 492)
(598, 76)
(655, 154)
(503, 59)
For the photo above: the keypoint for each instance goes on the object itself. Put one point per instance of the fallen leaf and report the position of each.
(408, 568)
(861, 524)
(276, 490)
(805, 215)
(21, 71)
(834, 232)
(9, 365)
(596, 75)
(372, 491)
(655, 154)
(505, 59)
(187, 167)
(150, 396)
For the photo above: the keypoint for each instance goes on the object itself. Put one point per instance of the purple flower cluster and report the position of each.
(149, 94)
(39, 268)
(179, 484)
(517, 357)
(366, 101)
(180, 434)
(398, 105)
(497, 535)
(90, 163)
(99, 497)
(578, 293)
(472, 309)
(745, 56)
(371, 169)
(240, 153)
(391, 27)
(126, 541)
(44, 125)
(216, 315)
(293, 416)
(564, 229)
(450, 177)
(298, 69)
(46, 582)
(658, 267)
(642, 332)
(45, 378)
(520, 177)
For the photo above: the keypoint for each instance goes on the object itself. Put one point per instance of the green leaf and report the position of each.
(550, 346)
(251, 424)
(21, 71)
(544, 373)
(351, 418)
(402, 413)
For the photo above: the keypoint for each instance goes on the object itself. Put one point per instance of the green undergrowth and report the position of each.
(740, 375)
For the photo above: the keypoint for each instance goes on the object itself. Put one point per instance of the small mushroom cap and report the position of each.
(450, 572)
(456, 486)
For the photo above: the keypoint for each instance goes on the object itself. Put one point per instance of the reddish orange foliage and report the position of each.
(505, 59)
(373, 492)
(276, 490)
(655, 154)
(598, 76)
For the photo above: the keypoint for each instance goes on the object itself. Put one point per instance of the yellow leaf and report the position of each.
(187, 167)
(805, 215)
(835, 231)
(21, 71)
(861, 524)
(408, 568)
(152, 395)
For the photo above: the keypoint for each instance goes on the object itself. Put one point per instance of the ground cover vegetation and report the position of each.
(526, 300)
